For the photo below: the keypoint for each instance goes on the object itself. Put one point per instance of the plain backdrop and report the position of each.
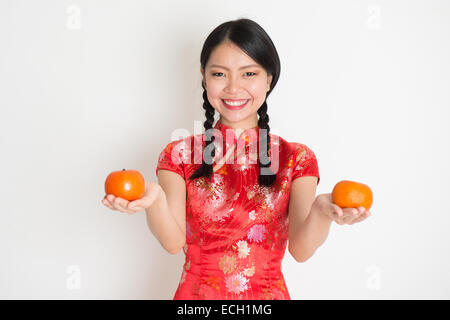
(90, 87)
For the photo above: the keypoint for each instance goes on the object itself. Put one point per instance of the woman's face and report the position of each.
(232, 77)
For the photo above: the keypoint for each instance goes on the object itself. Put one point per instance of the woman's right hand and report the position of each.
(151, 194)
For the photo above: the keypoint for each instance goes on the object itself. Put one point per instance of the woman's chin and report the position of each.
(233, 118)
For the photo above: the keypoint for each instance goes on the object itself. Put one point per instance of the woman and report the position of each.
(234, 197)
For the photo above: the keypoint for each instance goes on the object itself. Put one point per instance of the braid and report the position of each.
(266, 176)
(206, 169)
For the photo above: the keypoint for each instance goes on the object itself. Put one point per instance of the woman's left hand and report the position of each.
(340, 215)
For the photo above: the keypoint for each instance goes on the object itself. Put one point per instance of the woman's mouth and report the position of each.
(235, 104)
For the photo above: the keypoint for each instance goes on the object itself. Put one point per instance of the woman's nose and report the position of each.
(233, 85)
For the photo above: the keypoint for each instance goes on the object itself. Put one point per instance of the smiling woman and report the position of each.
(240, 66)
(234, 217)
(236, 212)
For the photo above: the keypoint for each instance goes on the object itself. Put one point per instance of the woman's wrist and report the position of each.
(319, 206)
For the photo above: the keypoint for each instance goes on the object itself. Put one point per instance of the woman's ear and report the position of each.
(269, 81)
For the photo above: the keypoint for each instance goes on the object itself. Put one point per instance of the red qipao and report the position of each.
(236, 229)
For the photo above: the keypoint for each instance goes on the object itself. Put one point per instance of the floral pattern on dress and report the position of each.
(236, 283)
(243, 249)
(227, 264)
(257, 233)
(236, 230)
(212, 198)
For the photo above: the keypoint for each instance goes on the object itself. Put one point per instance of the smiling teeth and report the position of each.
(235, 103)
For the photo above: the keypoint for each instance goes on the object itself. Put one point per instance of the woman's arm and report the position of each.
(166, 217)
(308, 229)
(310, 217)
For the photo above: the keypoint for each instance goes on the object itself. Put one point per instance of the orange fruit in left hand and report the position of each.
(351, 194)
(126, 184)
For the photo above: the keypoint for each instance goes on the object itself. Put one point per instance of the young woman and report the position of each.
(234, 197)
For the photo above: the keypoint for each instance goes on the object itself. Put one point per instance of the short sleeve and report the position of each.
(170, 159)
(305, 162)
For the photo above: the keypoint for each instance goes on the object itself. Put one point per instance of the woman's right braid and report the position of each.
(206, 169)
(268, 177)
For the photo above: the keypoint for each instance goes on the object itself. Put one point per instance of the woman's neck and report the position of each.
(242, 125)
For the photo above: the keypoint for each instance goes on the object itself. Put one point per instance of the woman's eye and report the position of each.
(220, 74)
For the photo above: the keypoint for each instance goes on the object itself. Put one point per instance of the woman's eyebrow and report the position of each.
(243, 67)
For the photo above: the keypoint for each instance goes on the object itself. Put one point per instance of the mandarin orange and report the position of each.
(351, 194)
(125, 184)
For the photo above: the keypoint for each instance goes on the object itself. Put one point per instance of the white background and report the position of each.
(89, 87)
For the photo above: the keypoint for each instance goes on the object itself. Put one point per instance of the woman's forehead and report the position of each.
(229, 56)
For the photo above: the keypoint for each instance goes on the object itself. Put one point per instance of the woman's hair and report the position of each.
(251, 38)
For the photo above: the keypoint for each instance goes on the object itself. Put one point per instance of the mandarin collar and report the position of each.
(250, 135)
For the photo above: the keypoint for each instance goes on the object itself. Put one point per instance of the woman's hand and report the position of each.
(340, 215)
(151, 194)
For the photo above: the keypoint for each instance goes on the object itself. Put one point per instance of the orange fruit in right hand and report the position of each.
(351, 194)
(126, 184)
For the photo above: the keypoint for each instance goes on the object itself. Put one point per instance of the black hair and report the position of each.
(251, 38)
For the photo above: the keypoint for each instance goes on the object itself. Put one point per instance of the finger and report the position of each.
(347, 214)
(354, 214)
(356, 219)
(113, 200)
(347, 219)
(357, 213)
(361, 217)
(364, 216)
(350, 211)
(109, 198)
(125, 206)
(114, 203)
(121, 204)
(136, 206)
(336, 212)
(107, 204)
